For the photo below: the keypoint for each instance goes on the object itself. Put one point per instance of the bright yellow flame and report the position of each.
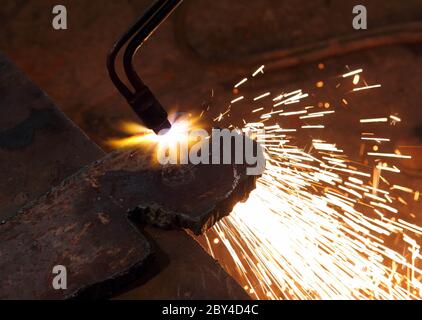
(139, 136)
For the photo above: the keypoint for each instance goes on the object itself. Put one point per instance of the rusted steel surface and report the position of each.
(102, 249)
(39, 146)
(187, 271)
(83, 225)
(76, 226)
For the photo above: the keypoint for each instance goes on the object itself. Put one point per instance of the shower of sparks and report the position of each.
(318, 225)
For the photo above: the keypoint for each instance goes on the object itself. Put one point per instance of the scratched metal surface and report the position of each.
(40, 147)
(83, 224)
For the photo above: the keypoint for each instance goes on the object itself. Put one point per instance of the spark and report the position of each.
(317, 114)
(385, 167)
(404, 189)
(259, 70)
(292, 97)
(352, 73)
(293, 113)
(240, 82)
(320, 84)
(395, 118)
(237, 99)
(354, 180)
(388, 155)
(376, 139)
(367, 87)
(313, 127)
(356, 79)
(384, 206)
(373, 120)
(262, 96)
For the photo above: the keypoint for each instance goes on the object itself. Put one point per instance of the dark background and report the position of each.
(200, 48)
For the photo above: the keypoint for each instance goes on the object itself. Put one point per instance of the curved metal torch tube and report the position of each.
(164, 9)
(111, 58)
(142, 100)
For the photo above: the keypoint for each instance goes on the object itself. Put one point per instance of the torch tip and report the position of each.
(163, 128)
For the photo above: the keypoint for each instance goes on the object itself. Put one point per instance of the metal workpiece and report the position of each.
(186, 271)
(83, 223)
(39, 145)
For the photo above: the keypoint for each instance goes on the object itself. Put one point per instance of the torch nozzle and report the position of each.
(163, 128)
(150, 110)
(141, 99)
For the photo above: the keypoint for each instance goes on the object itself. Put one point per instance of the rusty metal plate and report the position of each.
(39, 145)
(101, 248)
